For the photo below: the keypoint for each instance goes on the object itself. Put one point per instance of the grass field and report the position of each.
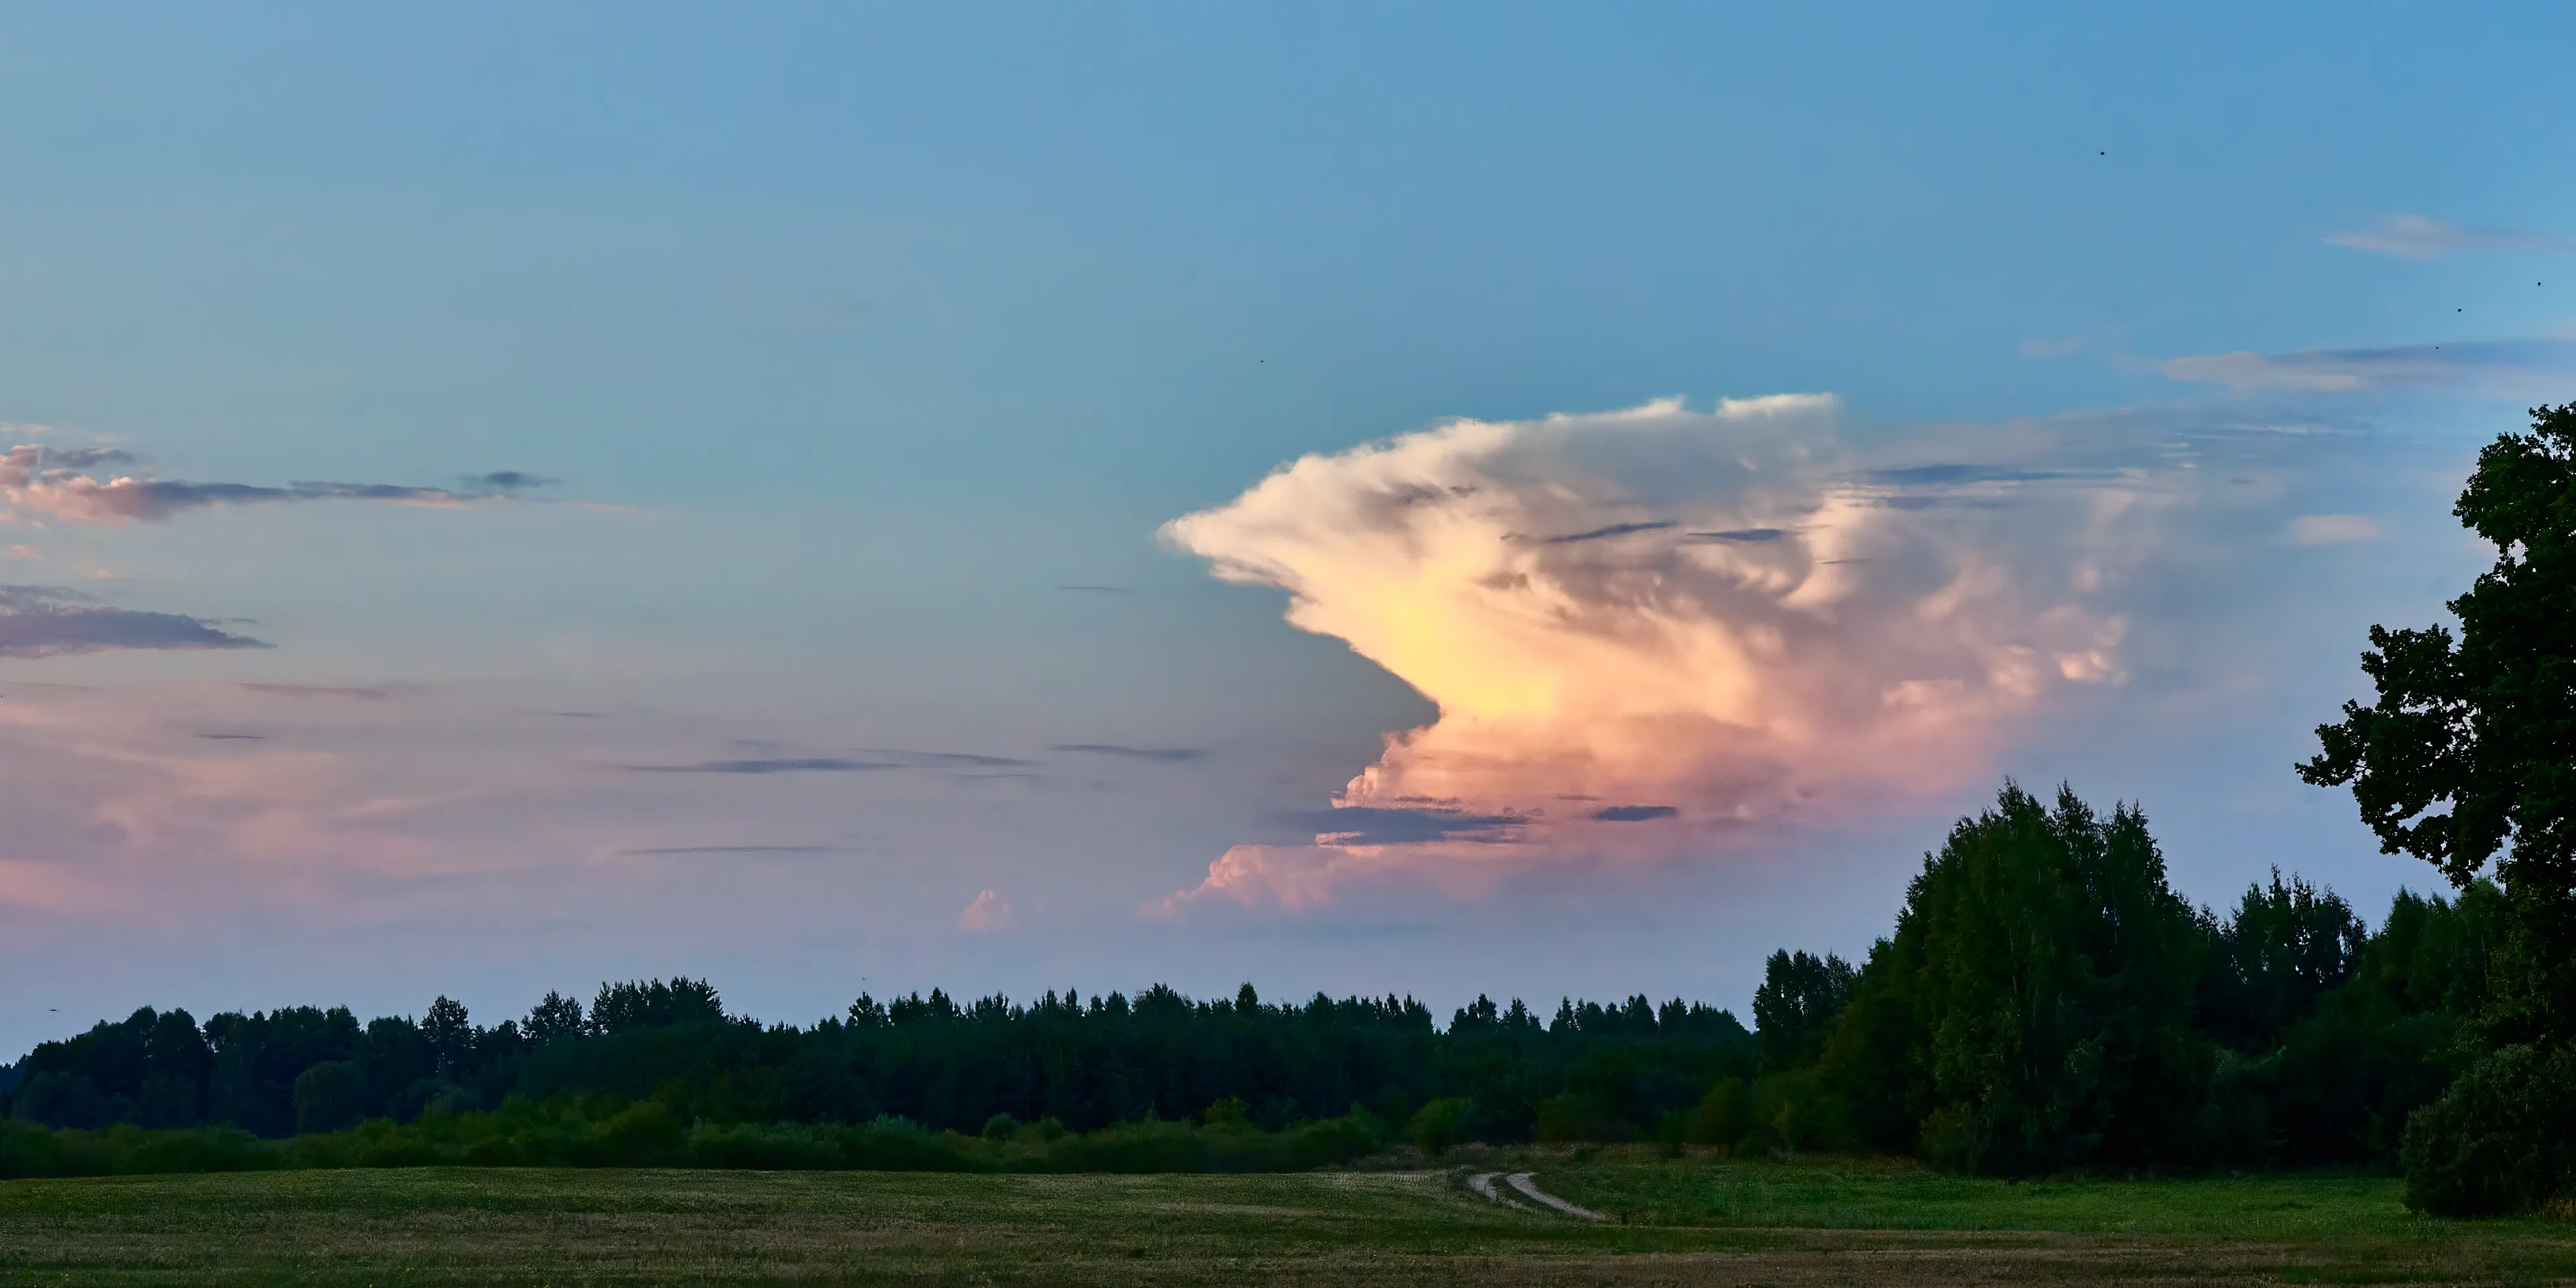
(1681, 1222)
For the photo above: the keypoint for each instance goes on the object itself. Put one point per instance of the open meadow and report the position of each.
(1687, 1221)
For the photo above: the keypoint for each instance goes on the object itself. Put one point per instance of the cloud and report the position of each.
(507, 481)
(987, 912)
(234, 737)
(2416, 237)
(1613, 530)
(2332, 529)
(1168, 755)
(1817, 630)
(1405, 825)
(1635, 813)
(62, 483)
(2501, 368)
(882, 760)
(45, 621)
(777, 765)
(730, 849)
(327, 691)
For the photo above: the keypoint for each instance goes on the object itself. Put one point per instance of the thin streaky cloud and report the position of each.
(769, 765)
(944, 759)
(233, 737)
(346, 693)
(2416, 237)
(1613, 530)
(66, 483)
(1168, 755)
(730, 849)
(2500, 368)
(50, 621)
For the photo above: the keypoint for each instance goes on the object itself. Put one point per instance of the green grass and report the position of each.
(1684, 1221)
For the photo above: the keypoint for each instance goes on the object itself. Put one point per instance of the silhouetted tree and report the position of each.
(1796, 1005)
(2469, 754)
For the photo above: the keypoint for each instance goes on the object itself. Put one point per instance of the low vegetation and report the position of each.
(1689, 1220)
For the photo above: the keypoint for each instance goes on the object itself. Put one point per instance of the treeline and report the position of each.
(593, 1131)
(2046, 1002)
(1495, 1072)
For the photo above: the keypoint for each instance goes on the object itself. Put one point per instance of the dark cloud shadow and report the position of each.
(1378, 825)
(1614, 530)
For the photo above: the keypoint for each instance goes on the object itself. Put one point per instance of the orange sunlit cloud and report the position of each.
(1648, 630)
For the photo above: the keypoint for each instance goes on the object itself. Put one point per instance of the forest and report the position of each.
(2045, 1003)
(2143, 1033)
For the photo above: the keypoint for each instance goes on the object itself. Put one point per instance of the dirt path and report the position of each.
(1483, 1184)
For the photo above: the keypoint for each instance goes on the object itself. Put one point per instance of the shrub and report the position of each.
(1441, 1124)
(2502, 1139)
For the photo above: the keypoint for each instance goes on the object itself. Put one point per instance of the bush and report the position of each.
(1441, 1124)
(2502, 1139)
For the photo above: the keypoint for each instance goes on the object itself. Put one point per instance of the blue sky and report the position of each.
(849, 337)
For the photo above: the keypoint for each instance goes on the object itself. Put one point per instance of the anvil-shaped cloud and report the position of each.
(1706, 621)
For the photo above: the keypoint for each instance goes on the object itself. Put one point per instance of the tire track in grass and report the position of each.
(1521, 1181)
(1483, 1184)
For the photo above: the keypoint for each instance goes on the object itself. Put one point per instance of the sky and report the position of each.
(1430, 499)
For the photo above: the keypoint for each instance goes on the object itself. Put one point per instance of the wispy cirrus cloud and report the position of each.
(47, 621)
(663, 850)
(2529, 368)
(1165, 755)
(77, 485)
(2416, 237)
(874, 761)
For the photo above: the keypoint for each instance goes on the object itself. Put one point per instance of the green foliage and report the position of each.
(592, 1132)
(330, 1096)
(1796, 1005)
(2471, 746)
(1445, 1122)
(2284, 948)
(2032, 1011)
(985, 1067)
(2501, 1139)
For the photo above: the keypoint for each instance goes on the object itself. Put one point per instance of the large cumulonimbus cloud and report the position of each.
(66, 484)
(1648, 630)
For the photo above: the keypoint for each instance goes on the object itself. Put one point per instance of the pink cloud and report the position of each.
(1717, 621)
(987, 912)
